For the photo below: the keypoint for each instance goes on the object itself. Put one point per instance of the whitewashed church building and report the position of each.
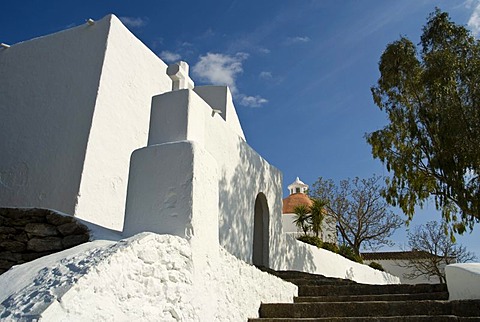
(96, 126)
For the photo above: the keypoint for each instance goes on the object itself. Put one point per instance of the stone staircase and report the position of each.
(322, 298)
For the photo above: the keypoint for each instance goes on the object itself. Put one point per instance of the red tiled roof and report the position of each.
(294, 200)
(396, 255)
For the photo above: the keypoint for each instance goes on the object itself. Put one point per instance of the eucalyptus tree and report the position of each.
(431, 95)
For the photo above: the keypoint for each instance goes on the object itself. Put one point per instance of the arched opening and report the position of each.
(260, 232)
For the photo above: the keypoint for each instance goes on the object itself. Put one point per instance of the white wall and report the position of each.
(288, 225)
(74, 106)
(242, 174)
(131, 75)
(48, 92)
(299, 256)
(328, 232)
(174, 190)
(220, 98)
(463, 281)
(394, 267)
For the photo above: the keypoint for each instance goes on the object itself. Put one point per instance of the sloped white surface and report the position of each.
(463, 281)
(147, 277)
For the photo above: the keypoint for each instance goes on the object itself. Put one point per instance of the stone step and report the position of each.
(378, 297)
(364, 289)
(302, 276)
(468, 308)
(412, 318)
(318, 281)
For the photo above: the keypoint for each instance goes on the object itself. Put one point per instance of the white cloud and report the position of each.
(297, 40)
(207, 34)
(474, 21)
(169, 56)
(264, 50)
(223, 69)
(265, 75)
(468, 3)
(220, 69)
(252, 101)
(186, 44)
(134, 22)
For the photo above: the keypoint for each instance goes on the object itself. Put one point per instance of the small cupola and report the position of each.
(297, 187)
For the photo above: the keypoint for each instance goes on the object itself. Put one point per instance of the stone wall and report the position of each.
(29, 233)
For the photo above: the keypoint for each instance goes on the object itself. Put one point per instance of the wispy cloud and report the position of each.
(207, 34)
(469, 3)
(252, 101)
(474, 20)
(134, 22)
(157, 42)
(169, 57)
(297, 40)
(223, 69)
(265, 75)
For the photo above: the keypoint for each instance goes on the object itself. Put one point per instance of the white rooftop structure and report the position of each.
(298, 186)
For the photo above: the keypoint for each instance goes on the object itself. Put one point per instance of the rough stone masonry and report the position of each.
(29, 233)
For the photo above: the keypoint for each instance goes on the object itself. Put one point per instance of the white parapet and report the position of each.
(220, 99)
(173, 189)
(177, 116)
(299, 256)
(463, 281)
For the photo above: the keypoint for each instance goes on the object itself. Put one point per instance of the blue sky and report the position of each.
(300, 71)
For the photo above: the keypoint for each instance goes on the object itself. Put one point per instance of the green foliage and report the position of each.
(348, 252)
(376, 266)
(312, 240)
(301, 218)
(362, 216)
(330, 246)
(317, 214)
(431, 145)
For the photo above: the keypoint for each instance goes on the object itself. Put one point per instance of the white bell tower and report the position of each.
(298, 186)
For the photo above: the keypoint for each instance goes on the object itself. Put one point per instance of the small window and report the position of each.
(297, 190)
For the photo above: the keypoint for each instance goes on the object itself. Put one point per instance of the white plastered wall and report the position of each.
(242, 173)
(463, 281)
(397, 268)
(131, 75)
(220, 98)
(48, 91)
(299, 256)
(74, 106)
(182, 117)
(328, 232)
(173, 190)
